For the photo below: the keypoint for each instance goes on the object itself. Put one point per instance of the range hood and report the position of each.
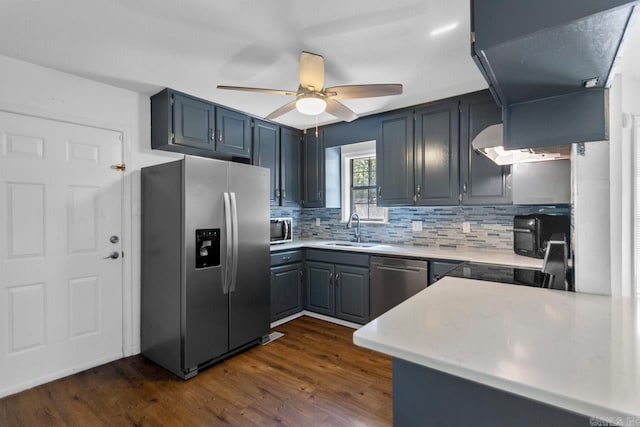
(549, 64)
(489, 143)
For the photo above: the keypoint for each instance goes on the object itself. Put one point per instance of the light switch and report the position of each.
(318, 222)
(466, 227)
(416, 225)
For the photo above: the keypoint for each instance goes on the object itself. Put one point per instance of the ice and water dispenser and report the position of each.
(207, 247)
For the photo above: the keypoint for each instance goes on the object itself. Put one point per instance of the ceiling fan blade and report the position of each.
(340, 110)
(282, 110)
(311, 71)
(257, 89)
(363, 91)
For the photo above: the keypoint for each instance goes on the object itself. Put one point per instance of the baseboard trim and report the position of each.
(316, 316)
(16, 388)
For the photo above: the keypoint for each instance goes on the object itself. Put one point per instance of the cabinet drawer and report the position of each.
(285, 257)
(338, 257)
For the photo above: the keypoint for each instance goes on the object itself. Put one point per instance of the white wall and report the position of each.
(30, 89)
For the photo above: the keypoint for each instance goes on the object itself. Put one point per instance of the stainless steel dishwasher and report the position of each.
(393, 280)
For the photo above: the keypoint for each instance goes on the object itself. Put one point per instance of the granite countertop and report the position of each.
(576, 351)
(428, 252)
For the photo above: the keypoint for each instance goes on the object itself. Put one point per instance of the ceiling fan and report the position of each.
(312, 98)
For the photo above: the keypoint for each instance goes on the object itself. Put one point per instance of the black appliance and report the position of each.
(509, 275)
(281, 230)
(532, 232)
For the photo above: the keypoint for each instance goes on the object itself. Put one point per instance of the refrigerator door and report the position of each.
(249, 299)
(206, 306)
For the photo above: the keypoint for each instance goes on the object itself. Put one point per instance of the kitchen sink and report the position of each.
(351, 244)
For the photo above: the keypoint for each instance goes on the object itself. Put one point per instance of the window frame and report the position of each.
(347, 154)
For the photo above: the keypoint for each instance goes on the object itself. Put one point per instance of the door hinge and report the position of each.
(120, 167)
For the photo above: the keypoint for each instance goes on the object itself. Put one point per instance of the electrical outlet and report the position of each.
(318, 222)
(416, 225)
(466, 227)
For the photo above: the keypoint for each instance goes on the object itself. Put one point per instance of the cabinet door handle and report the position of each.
(380, 191)
(213, 134)
(464, 188)
(284, 194)
(286, 258)
(419, 190)
(219, 135)
(337, 276)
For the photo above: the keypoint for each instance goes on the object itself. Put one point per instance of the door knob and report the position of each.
(114, 239)
(113, 255)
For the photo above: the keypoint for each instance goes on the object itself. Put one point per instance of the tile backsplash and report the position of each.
(491, 226)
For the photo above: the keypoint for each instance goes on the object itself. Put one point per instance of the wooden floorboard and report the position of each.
(312, 376)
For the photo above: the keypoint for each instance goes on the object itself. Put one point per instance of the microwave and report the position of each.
(281, 230)
(532, 232)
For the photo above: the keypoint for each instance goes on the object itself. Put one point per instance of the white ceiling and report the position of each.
(194, 45)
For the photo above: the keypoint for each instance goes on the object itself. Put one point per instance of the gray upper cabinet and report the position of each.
(394, 158)
(436, 154)
(313, 166)
(483, 182)
(290, 173)
(189, 125)
(233, 133)
(266, 153)
(193, 121)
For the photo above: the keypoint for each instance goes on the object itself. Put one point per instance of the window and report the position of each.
(359, 187)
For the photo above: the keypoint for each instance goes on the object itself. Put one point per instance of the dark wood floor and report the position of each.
(313, 376)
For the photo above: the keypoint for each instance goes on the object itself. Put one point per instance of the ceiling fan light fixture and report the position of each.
(311, 105)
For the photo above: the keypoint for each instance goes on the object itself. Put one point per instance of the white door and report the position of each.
(60, 205)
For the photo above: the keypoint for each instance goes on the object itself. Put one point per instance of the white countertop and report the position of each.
(576, 351)
(428, 252)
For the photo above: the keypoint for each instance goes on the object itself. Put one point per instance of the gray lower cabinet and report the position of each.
(286, 283)
(286, 290)
(319, 291)
(337, 290)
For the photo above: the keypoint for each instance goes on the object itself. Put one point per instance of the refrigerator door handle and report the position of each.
(226, 273)
(234, 226)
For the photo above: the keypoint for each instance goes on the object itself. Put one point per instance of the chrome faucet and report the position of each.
(357, 230)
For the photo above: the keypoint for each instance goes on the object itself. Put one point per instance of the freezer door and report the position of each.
(206, 306)
(249, 297)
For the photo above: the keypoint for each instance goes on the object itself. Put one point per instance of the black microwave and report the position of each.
(532, 232)
(281, 230)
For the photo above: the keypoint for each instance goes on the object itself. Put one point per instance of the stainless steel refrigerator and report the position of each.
(205, 262)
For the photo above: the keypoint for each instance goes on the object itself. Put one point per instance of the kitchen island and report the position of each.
(483, 353)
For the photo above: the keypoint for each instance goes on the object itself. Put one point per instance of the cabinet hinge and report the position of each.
(252, 123)
(473, 37)
(172, 138)
(414, 116)
(173, 101)
(415, 198)
(460, 108)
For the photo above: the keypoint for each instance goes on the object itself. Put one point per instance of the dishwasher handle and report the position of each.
(401, 269)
